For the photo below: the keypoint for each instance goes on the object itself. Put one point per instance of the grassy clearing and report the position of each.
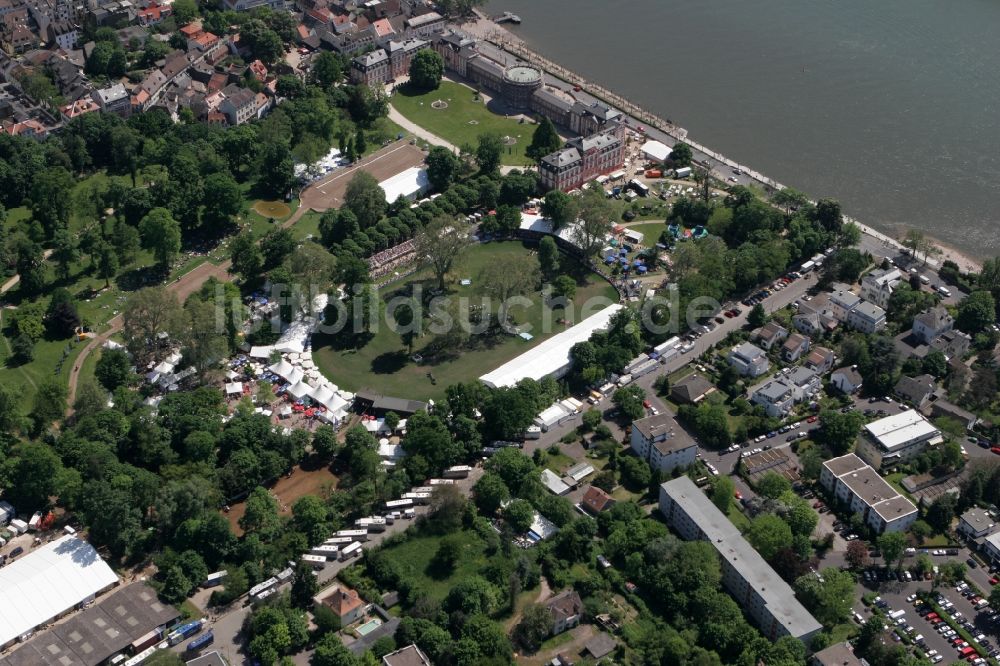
(383, 364)
(414, 561)
(464, 119)
(53, 358)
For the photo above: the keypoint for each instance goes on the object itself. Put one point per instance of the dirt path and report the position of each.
(410, 126)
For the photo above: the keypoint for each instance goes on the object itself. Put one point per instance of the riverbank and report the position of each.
(665, 130)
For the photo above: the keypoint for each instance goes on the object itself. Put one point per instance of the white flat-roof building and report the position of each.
(553, 482)
(991, 547)
(409, 184)
(896, 439)
(880, 505)
(751, 581)
(47, 583)
(550, 358)
(976, 523)
(655, 151)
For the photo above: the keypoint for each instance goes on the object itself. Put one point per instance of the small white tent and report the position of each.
(300, 390)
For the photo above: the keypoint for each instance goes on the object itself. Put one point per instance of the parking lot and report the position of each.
(958, 603)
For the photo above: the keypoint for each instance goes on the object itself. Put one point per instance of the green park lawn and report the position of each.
(465, 118)
(413, 560)
(383, 364)
(49, 362)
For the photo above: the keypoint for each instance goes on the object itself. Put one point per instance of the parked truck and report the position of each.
(184, 631)
(683, 172)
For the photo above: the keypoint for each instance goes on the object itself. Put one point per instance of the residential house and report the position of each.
(941, 408)
(804, 382)
(660, 441)
(566, 609)
(153, 13)
(383, 28)
(583, 159)
(596, 500)
(749, 360)
(842, 301)
(248, 5)
(425, 24)
(771, 334)
(346, 605)
(880, 506)
(64, 34)
(809, 323)
(915, 390)
(821, 360)
(953, 344)
(991, 547)
(847, 379)
(794, 347)
(258, 71)
(975, 523)
(838, 654)
(867, 318)
(878, 285)
(411, 655)
(240, 105)
(78, 108)
(775, 396)
(691, 390)
(113, 99)
(896, 438)
(931, 323)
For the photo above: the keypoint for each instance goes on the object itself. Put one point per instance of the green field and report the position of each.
(49, 362)
(414, 556)
(465, 118)
(382, 364)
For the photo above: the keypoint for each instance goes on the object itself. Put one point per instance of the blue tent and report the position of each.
(642, 270)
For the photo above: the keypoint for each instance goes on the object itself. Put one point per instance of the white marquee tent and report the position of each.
(47, 582)
(300, 390)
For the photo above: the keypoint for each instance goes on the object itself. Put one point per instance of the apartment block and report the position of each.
(854, 482)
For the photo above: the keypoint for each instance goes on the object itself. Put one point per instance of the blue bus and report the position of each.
(184, 631)
(200, 642)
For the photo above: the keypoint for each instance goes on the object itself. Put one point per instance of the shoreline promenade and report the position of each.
(658, 128)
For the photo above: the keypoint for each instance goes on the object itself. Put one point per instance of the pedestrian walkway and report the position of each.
(418, 131)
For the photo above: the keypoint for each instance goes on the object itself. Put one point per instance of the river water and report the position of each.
(890, 106)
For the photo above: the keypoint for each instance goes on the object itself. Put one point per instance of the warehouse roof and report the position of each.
(900, 429)
(407, 184)
(48, 582)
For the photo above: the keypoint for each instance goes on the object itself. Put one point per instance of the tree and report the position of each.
(635, 473)
(246, 256)
(768, 534)
(515, 277)
(148, 313)
(184, 11)
(490, 493)
(756, 317)
(519, 514)
(857, 554)
(442, 166)
(426, 69)
(161, 235)
(366, 199)
(837, 431)
(534, 627)
(439, 244)
(559, 207)
(327, 68)
(448, 553)
(548, 257)
(30, 266)
(261, 515)
(29, 475)
(65, 252)
(681, 155)
(829, 594)
(22, 349)
(61, 318)
(722, 493)
(941, 513)
(489, 152)
(49, 404)
(107, 263)
(629, 400)
(544, 141)
(892, 545)
(976, 312)
(263, 43)
(223, 200)
(773, 485)
(596, 216)
(305, 586)
(275, 246)
(360, 143)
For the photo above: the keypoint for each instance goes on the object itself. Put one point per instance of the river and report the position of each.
(892, 107)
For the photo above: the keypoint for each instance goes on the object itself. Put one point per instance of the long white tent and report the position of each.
(47, 582)
(550, 358)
